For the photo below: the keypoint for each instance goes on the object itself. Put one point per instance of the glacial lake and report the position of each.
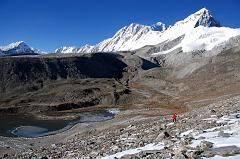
(16, 126)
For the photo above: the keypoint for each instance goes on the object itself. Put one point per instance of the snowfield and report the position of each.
(205, 38)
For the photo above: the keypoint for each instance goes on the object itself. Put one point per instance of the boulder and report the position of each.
(205, 145)
(179, 156)
(160, 137)
(213, 111)
(222, 134)
(163, 135)
(237, 116)
(222, 151)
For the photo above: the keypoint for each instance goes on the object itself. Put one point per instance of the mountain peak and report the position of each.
(206, 19)
(135, 36)
(19, 47)
(65, 49)
(131, 30)
(159, 26)
(12, 45)
(202, 11)
(135, 27)
(202, 17)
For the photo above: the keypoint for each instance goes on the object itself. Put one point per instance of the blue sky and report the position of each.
(50, 24)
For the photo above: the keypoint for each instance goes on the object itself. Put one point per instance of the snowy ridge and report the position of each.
(200, 18)
(135, 35)
(127, 38)
(204, 39)
(159, 26)
(73, 49)
(11, 46)
(37, 51)
(19, 47)
(197, 32)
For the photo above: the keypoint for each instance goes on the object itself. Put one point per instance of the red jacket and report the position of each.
(174, 116)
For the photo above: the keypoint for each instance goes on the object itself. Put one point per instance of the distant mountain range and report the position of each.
(16, 48)
(199, 31)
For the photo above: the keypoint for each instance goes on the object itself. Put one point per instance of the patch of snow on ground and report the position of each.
(158, 146)
(114, 111)
(186, 133)
(220, 157)
(169, 124)
(231, 126)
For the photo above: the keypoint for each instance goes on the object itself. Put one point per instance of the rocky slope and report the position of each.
(203, 132)
(52, 83)
(201, 91)
(17, 71)
(172, 53)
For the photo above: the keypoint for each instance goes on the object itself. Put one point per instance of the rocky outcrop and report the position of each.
(63, 82)
(20, 71)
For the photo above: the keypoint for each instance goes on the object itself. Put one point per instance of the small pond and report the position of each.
(16, 126)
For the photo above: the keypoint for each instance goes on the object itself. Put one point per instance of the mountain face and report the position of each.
(159, 26)
(199, 31)
(17, 48)
(122, 40)
(74, 50)
(206, 19)
(136, 36)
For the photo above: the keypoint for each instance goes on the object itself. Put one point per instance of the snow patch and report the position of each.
(114, 111)
(230, 125)
(220, 157)
(158, 146)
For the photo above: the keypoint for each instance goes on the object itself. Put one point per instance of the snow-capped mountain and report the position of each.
(199, 31)
(83, 49)
(136, 36)
(122, 40)
(37, 51)
(159, 26)
(17, 48)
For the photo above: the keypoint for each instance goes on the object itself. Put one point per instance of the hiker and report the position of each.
(174, 117)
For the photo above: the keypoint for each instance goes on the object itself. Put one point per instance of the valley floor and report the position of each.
(211, 131)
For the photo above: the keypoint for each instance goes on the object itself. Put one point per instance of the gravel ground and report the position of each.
(96, 140)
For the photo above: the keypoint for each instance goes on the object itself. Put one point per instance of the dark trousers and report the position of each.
(174, 120)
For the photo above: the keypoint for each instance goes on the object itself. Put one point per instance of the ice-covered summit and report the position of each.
(159, 26)
(203, 17)
(206, 19)
(136, 35)
(19, 47)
